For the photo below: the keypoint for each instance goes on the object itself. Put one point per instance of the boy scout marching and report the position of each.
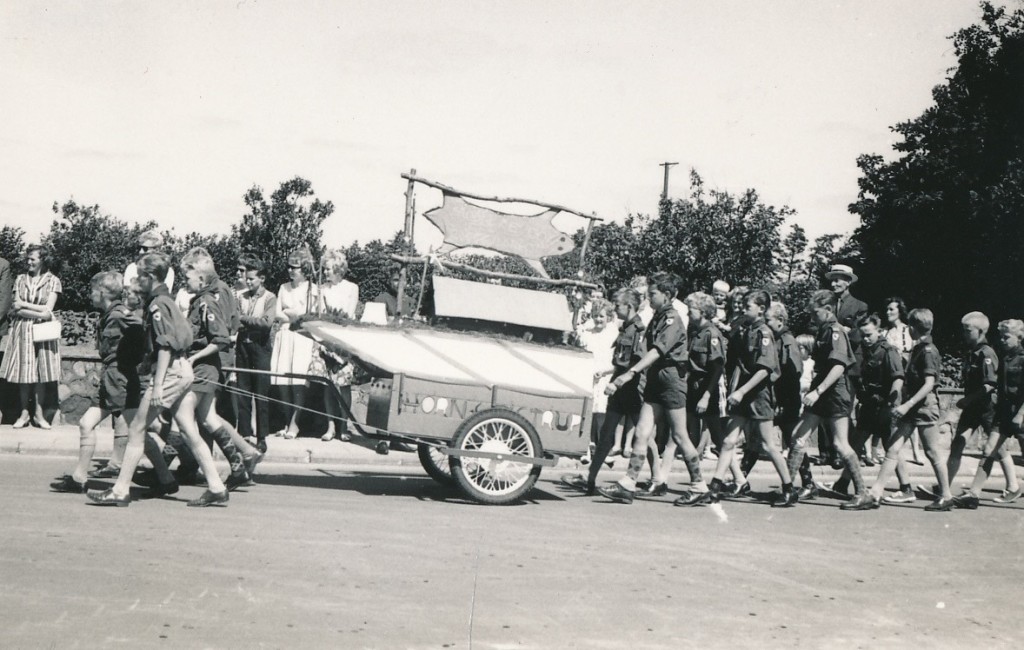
(753, 391)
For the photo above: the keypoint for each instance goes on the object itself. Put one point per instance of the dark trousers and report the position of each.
(253, 386)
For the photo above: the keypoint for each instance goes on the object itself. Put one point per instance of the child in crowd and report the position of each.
(1009, 416)
(830, 399)
(665, 390)
(623, 406)
(167, 386)
(978, 405)
(920, 410)
(118, 342)
(720, 292)
(599, 340)
(255, 347)
(751, 403)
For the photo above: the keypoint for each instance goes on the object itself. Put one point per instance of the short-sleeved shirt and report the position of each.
(707, 348)
(165, 327)
(737, 339)
(981, 368)
(925, 361)
(209, 323)
(757, 352)
(881, 364)
(791, 367)
(629, 346)
(667, 333)
(1010, 382)
(119, 338)
(832, 347)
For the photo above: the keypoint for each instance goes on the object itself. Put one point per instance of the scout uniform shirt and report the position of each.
(165, 328)
(924, 362)
(791, 368)
(1010, 385)
(225, 297)
(628, 347)
(119, 338)
(667, 333)
(881, 364)
(758, 352)
(706, 360)
(981, 369)
(832, 346)
(209, 324)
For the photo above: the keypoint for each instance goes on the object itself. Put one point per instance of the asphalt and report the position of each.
(62, 440)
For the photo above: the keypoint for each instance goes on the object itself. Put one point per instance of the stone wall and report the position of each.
(80, 380)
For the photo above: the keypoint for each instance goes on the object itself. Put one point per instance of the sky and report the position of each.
(171, 110)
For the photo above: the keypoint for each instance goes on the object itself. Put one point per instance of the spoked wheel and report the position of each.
(490, 480)
(435, 463)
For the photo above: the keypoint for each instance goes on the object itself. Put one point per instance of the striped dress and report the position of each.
(26, 362)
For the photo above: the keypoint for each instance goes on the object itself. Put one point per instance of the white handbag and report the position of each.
(46, 331)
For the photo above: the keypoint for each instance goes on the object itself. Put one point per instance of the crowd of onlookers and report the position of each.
(212, 323)
(717, 376)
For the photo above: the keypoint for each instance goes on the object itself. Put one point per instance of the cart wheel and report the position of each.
(436, 464)
(499, 431)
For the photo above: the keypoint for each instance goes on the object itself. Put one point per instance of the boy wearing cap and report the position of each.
(169, 378)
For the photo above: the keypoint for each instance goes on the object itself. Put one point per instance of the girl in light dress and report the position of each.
(600, 341)
(338, 297)
(292, 351)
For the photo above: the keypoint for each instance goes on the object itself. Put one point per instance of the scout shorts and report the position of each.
(666, 387)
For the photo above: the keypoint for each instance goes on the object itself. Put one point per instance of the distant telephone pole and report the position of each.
(664, 191)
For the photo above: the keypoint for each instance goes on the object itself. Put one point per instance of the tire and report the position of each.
(489, 481)
(436, 464)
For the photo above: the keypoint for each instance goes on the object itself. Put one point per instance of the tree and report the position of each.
(941, 224)
(85, 241)
(712, 235)
(793, 247)
(272, 230)
(12, 244)
(224, 250)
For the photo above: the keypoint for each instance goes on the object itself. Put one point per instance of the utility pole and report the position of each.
(664, 191)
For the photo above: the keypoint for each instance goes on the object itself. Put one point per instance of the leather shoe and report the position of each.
(865, 501)
(967, 501)
(208, 498)
(160, 490)
(105, 472)
(108, 498)
(69, 485)
(575, 481)
(696, 499)
(237, 480)
(617, 493)
(787, 499)
(655, 490)
(940, 505)
(737, 491)
(808, 492)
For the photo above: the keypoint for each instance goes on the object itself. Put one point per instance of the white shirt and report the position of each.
(132, 272)
(342, 297)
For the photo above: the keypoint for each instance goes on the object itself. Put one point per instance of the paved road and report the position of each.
(378, 557)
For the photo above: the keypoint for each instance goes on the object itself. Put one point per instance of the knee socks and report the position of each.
(852, 464)
(223, 439)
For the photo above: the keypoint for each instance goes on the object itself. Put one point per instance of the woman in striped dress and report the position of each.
(27, 363)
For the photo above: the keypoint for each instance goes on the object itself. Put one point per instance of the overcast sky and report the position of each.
(172, 110)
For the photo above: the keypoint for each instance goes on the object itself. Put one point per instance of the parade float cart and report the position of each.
(484, 413)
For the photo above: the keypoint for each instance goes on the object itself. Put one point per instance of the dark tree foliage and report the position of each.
(224, 250)
(12, 245)
(291, 219)
(85, 241)
(942, 224)
(711, 235)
